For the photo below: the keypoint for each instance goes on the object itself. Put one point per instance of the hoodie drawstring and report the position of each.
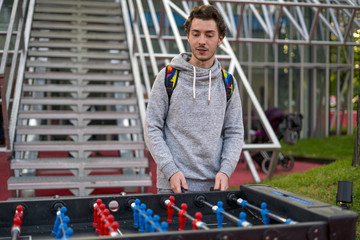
(209, 87)
(194, 82)
(194, 85)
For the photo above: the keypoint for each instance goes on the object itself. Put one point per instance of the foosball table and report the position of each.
(256, 212)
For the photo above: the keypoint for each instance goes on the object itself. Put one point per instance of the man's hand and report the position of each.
(221, 182)
(176, 181)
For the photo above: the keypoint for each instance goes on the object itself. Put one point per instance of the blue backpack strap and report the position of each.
(171, 76)
(229, 83)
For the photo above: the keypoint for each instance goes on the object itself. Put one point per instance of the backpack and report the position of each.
(172, 75)
(293, 126)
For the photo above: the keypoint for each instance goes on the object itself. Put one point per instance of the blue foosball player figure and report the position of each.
(68, 233)
(136, 213)
(141, 217)
(148, 218)
(219, 215)
(62, 228)
(264, 212)
(156, 223)
(242, 217)
(59, 214)
(164, 226)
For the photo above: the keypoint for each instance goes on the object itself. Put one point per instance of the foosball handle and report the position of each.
(198, 200)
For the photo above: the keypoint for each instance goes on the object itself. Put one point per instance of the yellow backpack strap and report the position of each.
(229, 83)
(171, 76)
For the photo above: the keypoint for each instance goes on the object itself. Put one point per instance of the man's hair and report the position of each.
(206, 12)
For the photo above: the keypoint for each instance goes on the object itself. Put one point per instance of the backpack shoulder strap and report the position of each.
(171, 76)
(229, 83)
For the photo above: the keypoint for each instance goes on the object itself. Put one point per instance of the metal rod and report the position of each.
(4, 112)
(288, 4)
(144, 216)
(214, 208)
(199, 225)
(275, 217)
(15, 234)
(8, 36)
(277, 24)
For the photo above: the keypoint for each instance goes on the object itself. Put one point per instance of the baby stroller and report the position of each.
(286, 127)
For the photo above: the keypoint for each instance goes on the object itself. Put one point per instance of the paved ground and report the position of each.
(242, 175)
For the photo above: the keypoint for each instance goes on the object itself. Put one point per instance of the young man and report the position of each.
(196, 135)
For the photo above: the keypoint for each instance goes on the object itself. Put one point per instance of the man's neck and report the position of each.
(202, 64)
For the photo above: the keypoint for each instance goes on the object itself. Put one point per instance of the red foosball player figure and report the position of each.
(170, 210)
(107, 225)
(16, 227)
(114, 229)
(96, 207)
(103, 218)
(98, 218)
(198, 217)
(19, 212)
(182, 218)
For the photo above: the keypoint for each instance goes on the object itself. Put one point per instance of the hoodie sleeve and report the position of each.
(233, 133)
(157, 110)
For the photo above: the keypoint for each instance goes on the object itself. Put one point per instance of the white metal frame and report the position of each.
(269, 15)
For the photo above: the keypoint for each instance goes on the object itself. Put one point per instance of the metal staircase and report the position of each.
(78, 113)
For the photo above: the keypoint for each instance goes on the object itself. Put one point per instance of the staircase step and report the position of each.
(69, 182)
(81, 35)
(71, 163)
(81, 11)
(76, 76)
(86, 55)
(78, 115)
(69, 26)
(79, 101)
(88, 45)
(83, 89)
(75, 18)
(72, 130)
(70, 65)
(66, 146)
(98, 4)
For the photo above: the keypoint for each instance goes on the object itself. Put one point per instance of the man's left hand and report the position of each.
(221, 182)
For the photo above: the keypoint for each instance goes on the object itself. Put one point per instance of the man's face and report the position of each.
(204, 39)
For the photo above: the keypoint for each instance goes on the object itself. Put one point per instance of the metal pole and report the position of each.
(4, 112)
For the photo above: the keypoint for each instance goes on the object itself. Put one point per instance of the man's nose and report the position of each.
(202, 40)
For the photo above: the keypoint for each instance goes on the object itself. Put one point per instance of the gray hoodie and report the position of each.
(199, 132)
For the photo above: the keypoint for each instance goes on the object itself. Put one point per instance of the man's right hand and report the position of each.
(176, 181)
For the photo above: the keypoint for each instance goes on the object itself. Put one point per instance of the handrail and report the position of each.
(11, 85)
(275, 144)
(8, 36)
(4, 112)
(134, 63)
(6, 86)
(166, 29)
(235, 65)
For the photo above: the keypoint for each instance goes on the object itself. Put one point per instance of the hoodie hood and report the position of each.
(196, 74)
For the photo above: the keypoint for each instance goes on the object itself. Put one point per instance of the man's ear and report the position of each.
(221, 38)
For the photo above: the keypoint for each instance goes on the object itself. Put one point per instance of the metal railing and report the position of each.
(12, 65)
(138, 19)
(272, 12)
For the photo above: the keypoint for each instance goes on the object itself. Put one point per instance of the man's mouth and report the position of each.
(201, 50)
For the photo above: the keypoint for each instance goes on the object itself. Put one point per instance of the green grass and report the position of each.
(336, 147)
(321, 183)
